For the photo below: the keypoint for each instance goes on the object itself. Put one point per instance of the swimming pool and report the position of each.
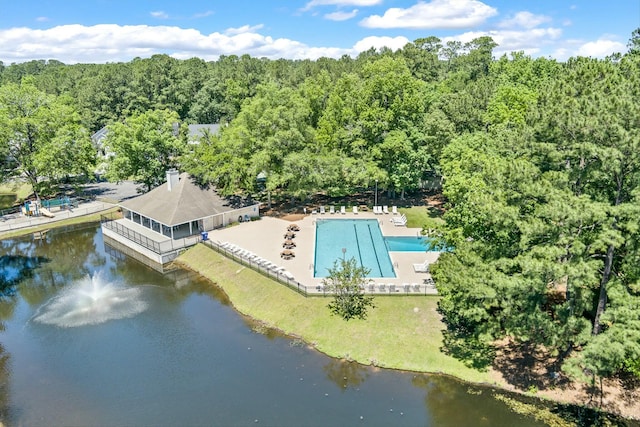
(409, 244)
(360, 238)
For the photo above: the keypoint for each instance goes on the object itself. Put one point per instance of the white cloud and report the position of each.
(42, 19)
(243, 29)
(203, 14)
(601, 48)
(112, 43)
(340, 3)
(394, 43)
(341, 16)
(159, 14)
(529, 41)
(524, 19)
(434, 14)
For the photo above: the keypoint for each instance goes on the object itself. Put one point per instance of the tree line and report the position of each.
(539, 161)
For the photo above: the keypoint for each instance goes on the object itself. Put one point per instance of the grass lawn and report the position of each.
(419, 216)
(402, 332)
(12, 192)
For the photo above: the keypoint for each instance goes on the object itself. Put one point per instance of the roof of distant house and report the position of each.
(198, 131)
(100, 134)
(187, 201)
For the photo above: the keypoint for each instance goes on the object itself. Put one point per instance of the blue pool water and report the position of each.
(362, 240)
(408, 244)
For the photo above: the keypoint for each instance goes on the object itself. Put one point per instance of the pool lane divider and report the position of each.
(355, 231)
(375, 252)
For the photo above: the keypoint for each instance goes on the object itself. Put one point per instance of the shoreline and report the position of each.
(248, 292)
(224, 273)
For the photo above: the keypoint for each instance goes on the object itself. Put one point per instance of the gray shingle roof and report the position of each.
(187, 201)
(199, 130)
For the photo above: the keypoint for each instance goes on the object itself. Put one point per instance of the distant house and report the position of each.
(196, 132)
(173, 216)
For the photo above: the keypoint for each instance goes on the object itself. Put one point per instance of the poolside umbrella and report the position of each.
(289, 235)
(288, 244)
(293, 227)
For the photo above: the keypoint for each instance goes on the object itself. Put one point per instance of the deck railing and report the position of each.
(159, 247)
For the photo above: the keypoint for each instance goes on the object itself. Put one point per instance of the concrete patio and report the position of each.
(264, 238)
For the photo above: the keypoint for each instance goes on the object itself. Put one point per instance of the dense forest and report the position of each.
(539, 160)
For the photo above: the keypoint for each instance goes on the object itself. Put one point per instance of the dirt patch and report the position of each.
(292, 217)
(533, 371)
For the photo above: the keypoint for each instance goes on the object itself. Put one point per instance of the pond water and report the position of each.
(92, 337)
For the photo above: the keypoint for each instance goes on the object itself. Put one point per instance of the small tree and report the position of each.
(346, 281)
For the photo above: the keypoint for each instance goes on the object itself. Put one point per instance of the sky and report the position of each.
(100, 31)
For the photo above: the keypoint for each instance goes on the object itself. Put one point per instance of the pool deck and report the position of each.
(264, 238)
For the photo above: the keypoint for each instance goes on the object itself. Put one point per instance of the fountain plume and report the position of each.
(90, 301)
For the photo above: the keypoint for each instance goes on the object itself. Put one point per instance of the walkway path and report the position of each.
(106, 194)
(18, 221)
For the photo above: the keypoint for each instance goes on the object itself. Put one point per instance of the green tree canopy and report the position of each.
(144, 147)
(346, 282)
(41, 136)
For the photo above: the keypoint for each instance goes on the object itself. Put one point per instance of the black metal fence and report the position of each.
(279, 276)
(405, 289)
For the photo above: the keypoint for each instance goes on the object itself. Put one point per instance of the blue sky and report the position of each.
(99, 31)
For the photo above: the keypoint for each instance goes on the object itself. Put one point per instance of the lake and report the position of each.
(91, 337)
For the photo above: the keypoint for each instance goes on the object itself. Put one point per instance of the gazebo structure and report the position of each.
(173, 216)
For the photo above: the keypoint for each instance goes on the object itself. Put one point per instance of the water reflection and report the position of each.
(4, 383)
(454, 403)
(346, 374)
(16, 268)
(188, 358)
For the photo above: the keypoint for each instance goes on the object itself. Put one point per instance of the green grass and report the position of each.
(63, 223)
(403, 332)
(419, 216)
(12, 192)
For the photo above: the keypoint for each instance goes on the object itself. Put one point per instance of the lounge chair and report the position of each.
(385, 209)
(322, 211)
(287, 275)
(392, 288)
(421, 268)
(394, 210)
(416, 287)
(372, 288)
(382, 287)
(377, 210)
(343, 210)
(399, 222)
(355, 209)
(332, 209)
(406, 287)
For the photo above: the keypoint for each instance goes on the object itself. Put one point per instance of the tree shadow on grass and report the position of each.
(470, 351)
(528, 367)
